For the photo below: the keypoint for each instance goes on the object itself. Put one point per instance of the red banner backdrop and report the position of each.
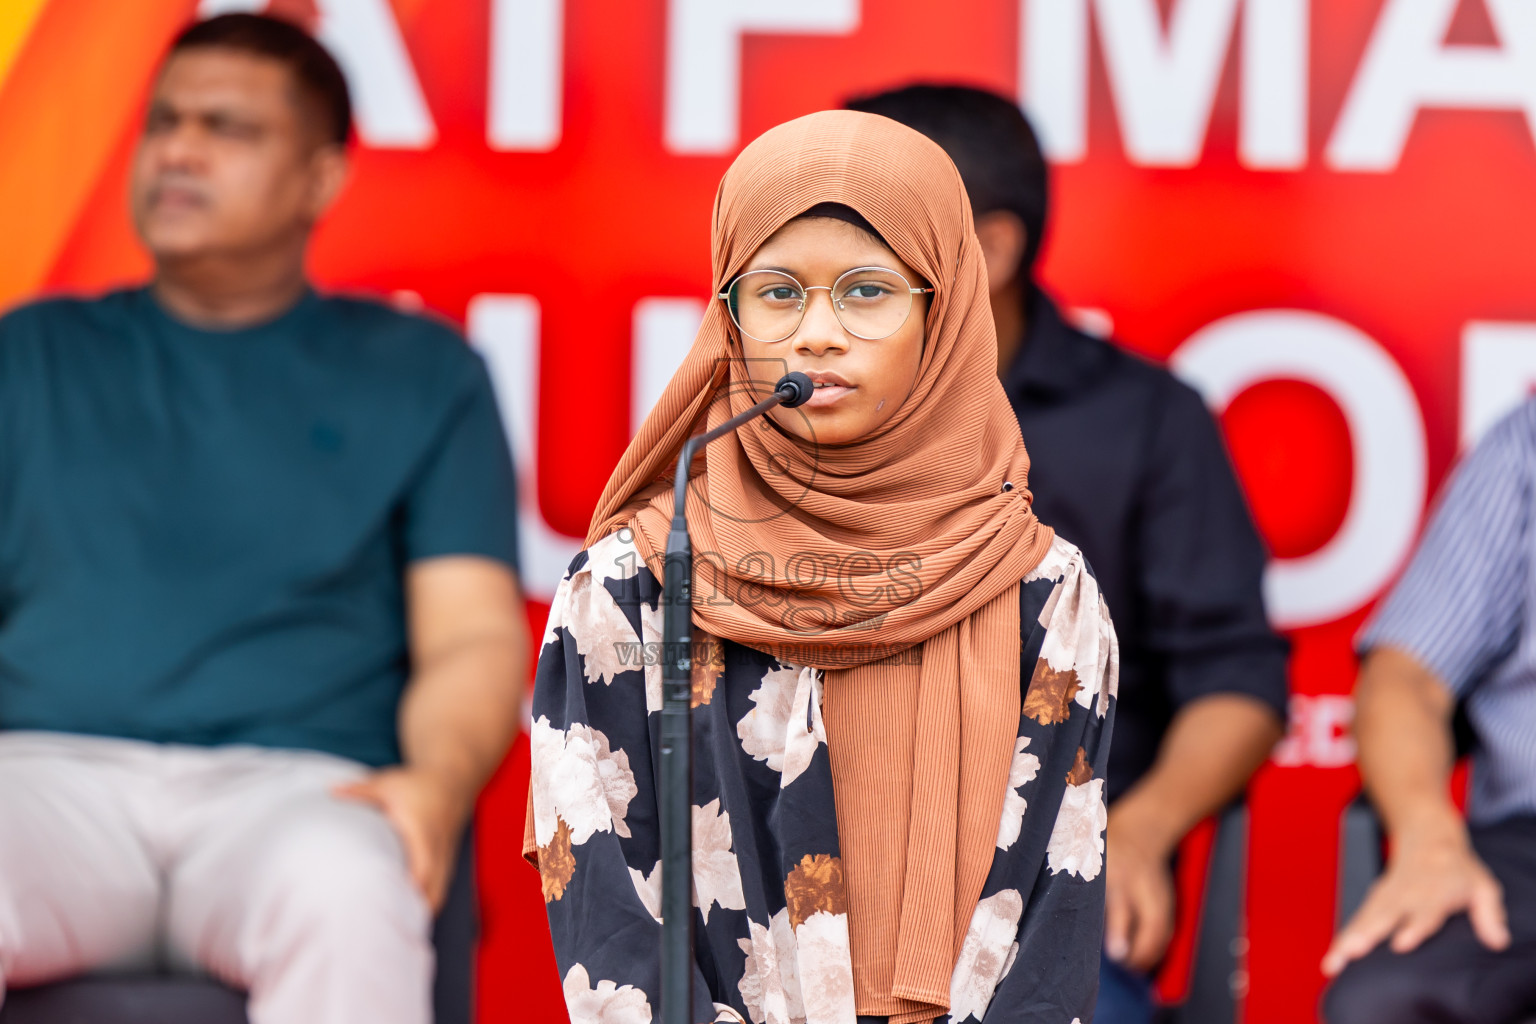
(1321, 213)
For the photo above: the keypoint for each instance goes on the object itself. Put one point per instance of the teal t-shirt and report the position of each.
(203, 534)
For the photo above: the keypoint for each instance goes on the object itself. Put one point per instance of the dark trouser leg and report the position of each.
(1125, 995)
(1453, 978)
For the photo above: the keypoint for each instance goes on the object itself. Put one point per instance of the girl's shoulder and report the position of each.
(1061, 593)
(1062, 562)
(608, 581)
(1068, 645)
(615, 557)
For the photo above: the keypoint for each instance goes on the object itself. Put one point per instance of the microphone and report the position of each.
(674, 767)
(796, 388)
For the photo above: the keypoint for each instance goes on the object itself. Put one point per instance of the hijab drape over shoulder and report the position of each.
(892, 562)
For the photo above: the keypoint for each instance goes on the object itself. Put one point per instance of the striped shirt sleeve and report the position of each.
(1459, 607)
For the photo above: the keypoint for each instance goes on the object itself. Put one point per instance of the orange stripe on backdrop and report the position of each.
(101, 251)
(74, 89)
(407, 11)
(16, 18)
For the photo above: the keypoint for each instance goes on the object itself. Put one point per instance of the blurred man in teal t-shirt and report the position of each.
(261, 636)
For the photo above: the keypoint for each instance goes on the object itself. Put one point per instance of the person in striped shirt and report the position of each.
(1448, 933)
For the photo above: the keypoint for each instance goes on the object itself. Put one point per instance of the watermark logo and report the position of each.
(814, 592)
(636, 654)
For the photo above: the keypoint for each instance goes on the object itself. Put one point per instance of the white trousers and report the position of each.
(116, 854)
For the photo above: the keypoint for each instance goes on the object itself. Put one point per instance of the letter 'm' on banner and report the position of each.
(1163, 79)
(1164, 84)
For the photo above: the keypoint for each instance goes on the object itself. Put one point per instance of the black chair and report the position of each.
(188, 999)
(1362, 844)
(1218, 980)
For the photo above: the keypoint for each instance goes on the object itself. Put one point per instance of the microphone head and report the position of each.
(796, 388)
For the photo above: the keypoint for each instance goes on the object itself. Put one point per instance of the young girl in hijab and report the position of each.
(903, 692)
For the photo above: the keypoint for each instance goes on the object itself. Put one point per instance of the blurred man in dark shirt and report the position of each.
(260, 631)
(1125, 462)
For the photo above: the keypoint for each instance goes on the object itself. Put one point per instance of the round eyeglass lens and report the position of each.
(872, 302)
(766, 304)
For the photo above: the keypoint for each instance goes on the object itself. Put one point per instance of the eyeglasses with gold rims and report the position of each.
(870, 302)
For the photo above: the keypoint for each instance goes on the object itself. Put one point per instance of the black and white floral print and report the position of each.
(771, 929)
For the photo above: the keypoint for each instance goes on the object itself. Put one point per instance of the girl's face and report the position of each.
(860, 383)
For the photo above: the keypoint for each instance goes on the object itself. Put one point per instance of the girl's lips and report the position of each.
(827, 395)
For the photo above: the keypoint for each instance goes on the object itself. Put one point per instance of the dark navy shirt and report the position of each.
(1126, 463)
(203, 534)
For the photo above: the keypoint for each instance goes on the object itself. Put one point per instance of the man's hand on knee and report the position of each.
(1403, 712)
(1210, 749)
(429, 817)
(459, 711)
(1432, 875)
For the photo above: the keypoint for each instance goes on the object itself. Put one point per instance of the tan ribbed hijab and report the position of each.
(903, 541)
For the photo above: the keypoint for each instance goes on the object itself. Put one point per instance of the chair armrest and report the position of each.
(1217, 979)
(1360, 855)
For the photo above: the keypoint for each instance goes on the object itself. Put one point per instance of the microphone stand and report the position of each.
(675, 772)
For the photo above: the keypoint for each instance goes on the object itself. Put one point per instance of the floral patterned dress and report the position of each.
(771, 927)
